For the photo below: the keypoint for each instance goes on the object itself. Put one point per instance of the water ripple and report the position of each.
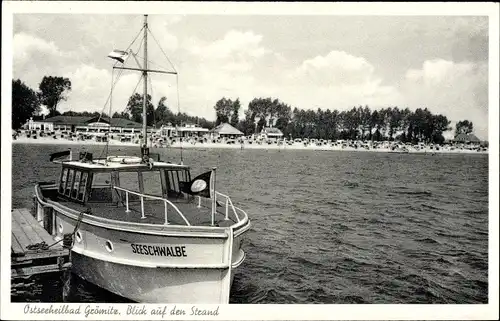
(334, 227)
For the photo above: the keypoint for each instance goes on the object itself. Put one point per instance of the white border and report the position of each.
(272, 311)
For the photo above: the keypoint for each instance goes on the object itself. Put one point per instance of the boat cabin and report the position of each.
(105, 180)
(124, 188)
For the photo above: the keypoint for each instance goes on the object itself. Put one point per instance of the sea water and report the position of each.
(327, 226)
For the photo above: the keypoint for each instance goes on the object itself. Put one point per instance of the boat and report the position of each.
(142, 228)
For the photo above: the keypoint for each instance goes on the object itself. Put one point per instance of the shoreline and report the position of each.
(187, 145)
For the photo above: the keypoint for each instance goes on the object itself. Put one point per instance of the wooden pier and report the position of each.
(29, 256)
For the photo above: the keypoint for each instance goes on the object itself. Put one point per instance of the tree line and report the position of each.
(391, 123)
(357, 123)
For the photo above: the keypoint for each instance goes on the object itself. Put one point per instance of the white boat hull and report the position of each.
(153, 285)
(150, 264)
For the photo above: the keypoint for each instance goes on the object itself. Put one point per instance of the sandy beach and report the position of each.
(385, 147)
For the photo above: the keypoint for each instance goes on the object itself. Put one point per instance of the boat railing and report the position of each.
(165, 201)
(229, 206)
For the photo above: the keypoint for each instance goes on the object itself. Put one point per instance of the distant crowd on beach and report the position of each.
(244, 142)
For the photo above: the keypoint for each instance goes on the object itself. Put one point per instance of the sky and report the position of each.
(306, 61)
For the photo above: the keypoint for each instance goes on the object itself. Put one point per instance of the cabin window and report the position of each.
(73, 183)
(129, 180)
(64, 175)
(152, 183)
(76, 185)
(101, 190)
(69, 183)
(83, 184)
(173, 177)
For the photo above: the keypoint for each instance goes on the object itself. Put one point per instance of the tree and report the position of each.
(364, 120)
(373, 122)
(246, 125)
(260, 125)
(25, 103)
(134, 108)
(52, 91)
(123, 115)
(440, 124)
(464, 127)
(163, 114)
(263, 112)
(226, 111)
(235, 110)
(84, 113)
(395, 121)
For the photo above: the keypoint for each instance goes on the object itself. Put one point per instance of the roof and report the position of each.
(84, 121)
(68, 120)
(226, 129)
(122, 122)
(101, 166)
(466, 138)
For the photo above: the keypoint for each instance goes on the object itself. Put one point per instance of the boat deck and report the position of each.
(155, 212)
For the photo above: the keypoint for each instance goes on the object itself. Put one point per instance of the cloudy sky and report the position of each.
(306, 61)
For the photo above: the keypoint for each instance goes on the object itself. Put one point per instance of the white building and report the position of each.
(82, 124)
(271, 133)
(189, 131)
(225, 130)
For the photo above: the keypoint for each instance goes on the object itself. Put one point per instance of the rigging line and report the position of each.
(109, 100)
(131, 44)
(162, 50)
(155, 64)
(140, 46)
(121, 71)
(109, 96)
(152, 62)
(109, 127)
(178, 108)
(137, 36)
(135, 89)
(106, 148)
(154, 114)
(178, 101)
(154, 118)
(137, 85)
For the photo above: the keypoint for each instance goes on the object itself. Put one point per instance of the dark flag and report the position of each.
(59, 155)
(201, 185)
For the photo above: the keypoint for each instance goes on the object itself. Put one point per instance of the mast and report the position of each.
(145, 71)
(145, 75)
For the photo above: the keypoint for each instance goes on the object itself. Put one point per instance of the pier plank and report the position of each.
(27, 230)
(39, 230)
(18, 233)
(27, 227)
(16, 247)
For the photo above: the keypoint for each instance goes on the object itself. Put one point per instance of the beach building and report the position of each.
(82, 124)
(271, 133)
(225, 130)
(167, 131)
(466, 139)
(190, 131)
(113, 125)
(66, 123)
